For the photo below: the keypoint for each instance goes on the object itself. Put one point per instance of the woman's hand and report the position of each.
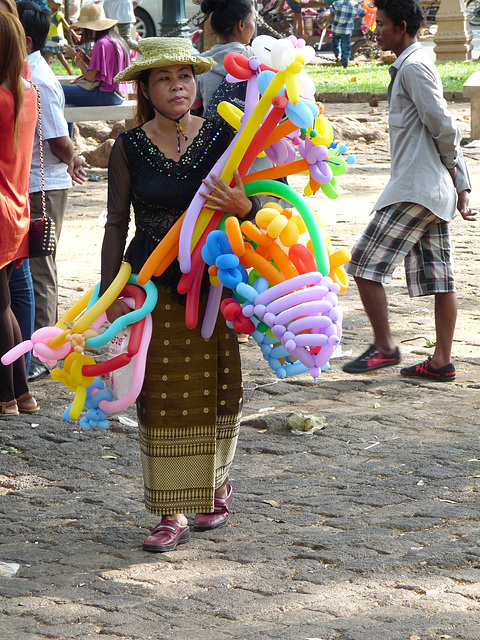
(80, 54)
(225, 198)
(117, 309)
(69, 50)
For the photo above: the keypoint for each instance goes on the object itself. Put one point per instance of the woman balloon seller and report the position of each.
(190, 405)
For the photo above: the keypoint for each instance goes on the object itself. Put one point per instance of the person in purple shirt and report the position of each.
(110, 55)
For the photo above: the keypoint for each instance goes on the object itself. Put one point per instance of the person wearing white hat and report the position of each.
(110, 55)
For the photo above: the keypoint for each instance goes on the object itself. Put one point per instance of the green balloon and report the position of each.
(285, 192)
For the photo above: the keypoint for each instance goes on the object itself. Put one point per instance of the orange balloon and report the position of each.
(252, 259)
(158, 256)
(234, 233)
(280, 171)
(282, 261)
(254, 233)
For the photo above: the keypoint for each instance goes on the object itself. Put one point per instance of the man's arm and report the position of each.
(427, 96)
(463, 200)
(62, 148)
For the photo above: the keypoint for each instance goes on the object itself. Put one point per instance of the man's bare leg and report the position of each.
(445, 320)
(375, 303)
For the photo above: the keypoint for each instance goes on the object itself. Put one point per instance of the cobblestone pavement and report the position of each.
(367, 529)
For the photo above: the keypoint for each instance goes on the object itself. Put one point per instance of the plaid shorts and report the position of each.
(411, 233)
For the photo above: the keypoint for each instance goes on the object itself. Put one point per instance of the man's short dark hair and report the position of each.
(36, 23)
(398, 10)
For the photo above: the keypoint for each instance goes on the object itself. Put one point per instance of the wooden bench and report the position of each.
(124, 111)
(471, 89)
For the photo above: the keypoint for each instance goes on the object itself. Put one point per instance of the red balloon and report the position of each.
(193, 296)
(238, 66)
(139, 296)
(101, 368)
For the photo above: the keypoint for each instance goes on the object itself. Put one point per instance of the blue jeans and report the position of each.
(342, 46)
(23, 302)
(79, 97)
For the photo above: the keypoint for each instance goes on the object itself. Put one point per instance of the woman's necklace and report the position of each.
(180, 131)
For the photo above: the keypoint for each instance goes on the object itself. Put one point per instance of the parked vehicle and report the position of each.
(148, 14)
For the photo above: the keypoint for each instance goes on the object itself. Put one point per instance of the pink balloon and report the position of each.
(304, 309)
(321, 173)
(47, 354)
(281, 152)
(315, 323)
(138, 373)
(17, 351)
(311, 340)
(316, 292)
(211, 311)
(297, 282)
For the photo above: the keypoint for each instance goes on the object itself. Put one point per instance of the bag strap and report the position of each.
(40, 147)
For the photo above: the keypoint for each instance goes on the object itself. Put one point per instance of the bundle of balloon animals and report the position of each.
(282, 271)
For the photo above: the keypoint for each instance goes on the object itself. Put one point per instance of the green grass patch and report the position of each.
(371, 76)
(59, 70)
(375, 77)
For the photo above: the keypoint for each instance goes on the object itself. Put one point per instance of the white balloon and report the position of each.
(308, 53)
(283, 54)
(306, 85)
(262, 47)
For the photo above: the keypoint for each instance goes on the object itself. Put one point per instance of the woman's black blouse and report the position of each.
(160, 190)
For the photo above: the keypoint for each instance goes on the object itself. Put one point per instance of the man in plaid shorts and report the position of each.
(411, 221)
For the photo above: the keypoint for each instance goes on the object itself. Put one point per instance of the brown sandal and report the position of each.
(23, 399)
(4, 408)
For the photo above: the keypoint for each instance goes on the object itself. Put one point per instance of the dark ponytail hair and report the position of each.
(224, 14)
(116, 39)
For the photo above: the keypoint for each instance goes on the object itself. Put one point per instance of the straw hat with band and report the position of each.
(92, 16)
(163, 52)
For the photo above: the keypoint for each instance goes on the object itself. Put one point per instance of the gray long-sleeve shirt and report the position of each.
(424, 139)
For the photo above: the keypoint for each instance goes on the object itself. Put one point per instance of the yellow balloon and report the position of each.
(70, 314)
(290, 234)
(324, 131)
(231, 114)
(273, 205)
(276, 226)
(98, 308)
(78, 402)
(265, 216)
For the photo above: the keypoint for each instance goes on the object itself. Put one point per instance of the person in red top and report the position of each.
(18, 117)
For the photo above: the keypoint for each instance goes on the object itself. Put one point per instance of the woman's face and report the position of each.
(172, 89)
(248, 28)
